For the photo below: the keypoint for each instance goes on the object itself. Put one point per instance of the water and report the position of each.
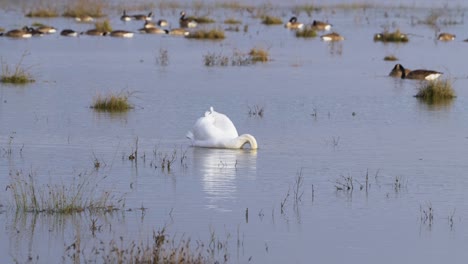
(309, 92)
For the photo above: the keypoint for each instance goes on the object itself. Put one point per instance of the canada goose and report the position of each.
(68, 33)
(332, 37)
(446, 37)
(125, 17)
(418, 74)
(34, 32)
(46, 29)
(185, 22)
(163, 23)
(121, 34)
(149, 25)
(154, 30)
(143, 17)
(293, 24)
(95, 32)
(179, 32)
(17, 33)
(84, 18)
(397, 71)
(321, 26)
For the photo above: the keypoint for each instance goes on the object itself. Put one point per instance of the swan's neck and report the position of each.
(244, 139)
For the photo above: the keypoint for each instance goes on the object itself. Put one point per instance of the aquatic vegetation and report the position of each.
(306, 33)
(38, 24)
(160, 248)
(112, 103)
(344, 184)
(213, 59)
(390, 58)
(201, 20)
(298, 188)
(259, 55)
(436, 91)
(307, 8)
(270, 20)
(213, 34)
(163, 57)
(396, 36)
(78, 196)
(43, 12)
(256, 110)
(232, 21)
(237, 59)
(17, 74)
(82, 8)
(103, 26)
(234, 5)
(427, 214)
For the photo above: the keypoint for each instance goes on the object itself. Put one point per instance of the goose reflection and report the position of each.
(219, 169)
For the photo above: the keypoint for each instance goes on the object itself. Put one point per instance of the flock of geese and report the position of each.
(215, 130)
(149, 27)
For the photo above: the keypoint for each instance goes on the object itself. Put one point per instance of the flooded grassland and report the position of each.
(350, 165)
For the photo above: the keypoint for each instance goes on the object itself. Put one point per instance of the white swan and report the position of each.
(216, 130)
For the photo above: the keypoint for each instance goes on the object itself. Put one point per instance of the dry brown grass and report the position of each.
(259, 55)
(81, 8)
(112, 103)
(213, 34)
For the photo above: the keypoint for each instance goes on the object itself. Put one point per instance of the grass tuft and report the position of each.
(214, 34)
(79, 196)
(112, 103)
(17, 75)
(201, 20)
(232, 21)
(306, 33)
(270, 20)
(396, 36)
(43, 12)
(436, 91)
(259, 55)
(390, 58)
(81, 8)
(103, 26)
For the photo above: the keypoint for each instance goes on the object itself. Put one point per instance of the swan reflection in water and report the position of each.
(220, 169)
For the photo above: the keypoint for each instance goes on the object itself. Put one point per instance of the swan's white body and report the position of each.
(216, 130)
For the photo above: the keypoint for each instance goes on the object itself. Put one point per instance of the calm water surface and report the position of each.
(330, 112)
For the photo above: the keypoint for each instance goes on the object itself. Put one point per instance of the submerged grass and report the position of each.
(81, 8)
(390, 58)
(112, 103)
(160, 248)
(214, 34)
(103, 26)
(270, 20)
(201, 20)
(396, 36)
(232, 21)
(306, 33)
(17, 74)
(437, 91)
(44, 12)
(80, 195)
(237, 58)
(259, 55)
